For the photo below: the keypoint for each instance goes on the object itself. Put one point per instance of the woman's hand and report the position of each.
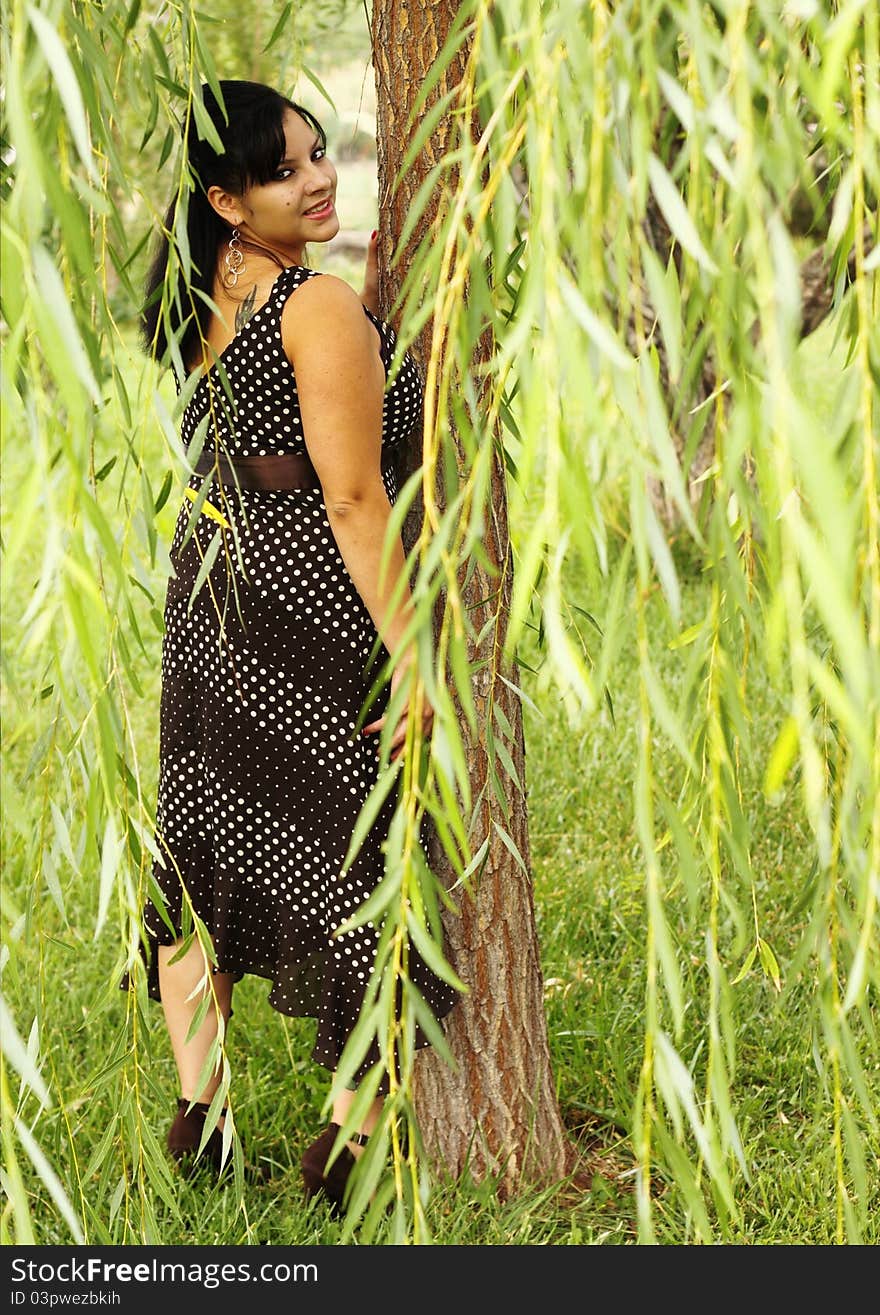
(370, 290)
(398, 739)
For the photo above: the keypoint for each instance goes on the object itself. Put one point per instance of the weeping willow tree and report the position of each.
(601, 262)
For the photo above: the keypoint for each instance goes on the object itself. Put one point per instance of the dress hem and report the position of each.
(421, 1040)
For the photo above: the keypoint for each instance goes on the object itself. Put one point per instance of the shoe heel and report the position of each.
(185, 1134)
(318, 1181)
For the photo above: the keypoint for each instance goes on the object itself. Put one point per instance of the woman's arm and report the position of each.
(340, 381)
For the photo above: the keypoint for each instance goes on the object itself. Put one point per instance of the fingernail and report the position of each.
(374, 234)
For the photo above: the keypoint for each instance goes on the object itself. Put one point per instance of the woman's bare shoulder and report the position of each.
(324, 311)
(324, 291)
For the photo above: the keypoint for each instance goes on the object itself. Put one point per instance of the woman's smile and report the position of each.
(321, 211)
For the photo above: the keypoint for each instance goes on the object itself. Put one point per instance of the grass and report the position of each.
(591, 919)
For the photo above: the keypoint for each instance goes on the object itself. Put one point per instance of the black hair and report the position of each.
(252, 133)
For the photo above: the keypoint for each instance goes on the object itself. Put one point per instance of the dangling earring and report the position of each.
(234, 261)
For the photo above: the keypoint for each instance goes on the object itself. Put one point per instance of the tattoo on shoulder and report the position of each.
(245, 310)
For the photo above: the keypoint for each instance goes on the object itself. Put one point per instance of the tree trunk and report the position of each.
(498, 1113)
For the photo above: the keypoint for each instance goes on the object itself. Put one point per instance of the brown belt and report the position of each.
(276, 472)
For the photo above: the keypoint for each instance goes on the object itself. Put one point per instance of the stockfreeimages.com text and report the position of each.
(209, 1275)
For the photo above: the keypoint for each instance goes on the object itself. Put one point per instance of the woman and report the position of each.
(262, 773)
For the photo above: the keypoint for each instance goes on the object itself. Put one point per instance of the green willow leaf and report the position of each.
(782, 756)
(666, 296)
(598, 332)
(373, 906)
(769, 963)
(355, 1049)
(164, 491)
(210, 556)
(210, 1066)
(50, 1180)
(66, 81)
(685, 1177)
(746, 967)
(318, 84)
(430, 1026)
(59, 330)
(430, 952)
(206, 130)
(498, 747)
(675, 213)
(365, 1178)
(279, 27)
(101, 1153)
(16, 1052)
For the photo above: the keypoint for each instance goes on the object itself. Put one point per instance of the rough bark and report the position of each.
(498, 1113)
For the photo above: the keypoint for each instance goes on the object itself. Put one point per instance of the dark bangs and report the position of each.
(267, 145)
(253, 135)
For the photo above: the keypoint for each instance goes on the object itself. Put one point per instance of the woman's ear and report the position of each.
(227, 206)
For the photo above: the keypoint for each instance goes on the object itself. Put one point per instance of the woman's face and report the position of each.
(297, 205)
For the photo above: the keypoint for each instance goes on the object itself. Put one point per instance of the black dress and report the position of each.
(261, 778)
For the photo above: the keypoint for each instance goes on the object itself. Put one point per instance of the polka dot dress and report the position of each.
(261, 776)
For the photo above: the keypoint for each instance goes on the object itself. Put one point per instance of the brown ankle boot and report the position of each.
(185, 1134)
(318, 1181)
